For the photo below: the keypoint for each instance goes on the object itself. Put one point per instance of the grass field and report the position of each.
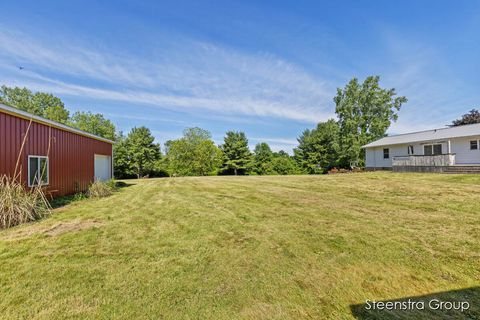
(295, 247)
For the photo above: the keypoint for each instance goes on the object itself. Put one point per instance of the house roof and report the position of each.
(28, 116)
(428, 135)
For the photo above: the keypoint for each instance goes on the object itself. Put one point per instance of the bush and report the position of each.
(101, 189)
(20, 205)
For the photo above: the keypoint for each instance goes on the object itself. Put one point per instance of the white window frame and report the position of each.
(38, 173)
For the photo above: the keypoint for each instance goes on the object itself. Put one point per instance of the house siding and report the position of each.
(463, 154)
(71, 155)
(459, 146)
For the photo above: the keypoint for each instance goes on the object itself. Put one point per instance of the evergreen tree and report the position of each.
(262, 159)
(317, 151)
(236, 155)
(142, 153)
(470, 118)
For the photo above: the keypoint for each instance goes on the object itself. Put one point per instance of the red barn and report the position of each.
(48, 153)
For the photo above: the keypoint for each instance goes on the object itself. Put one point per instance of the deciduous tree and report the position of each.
(195, 154)
(41, 104)
(93, 123)
(365, 112)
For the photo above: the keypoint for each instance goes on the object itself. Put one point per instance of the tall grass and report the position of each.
(17, 203)
(20, 205)
(100, 189)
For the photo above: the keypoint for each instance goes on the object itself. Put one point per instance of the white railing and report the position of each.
(441, 160)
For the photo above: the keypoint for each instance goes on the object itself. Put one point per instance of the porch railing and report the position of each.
(441, 160)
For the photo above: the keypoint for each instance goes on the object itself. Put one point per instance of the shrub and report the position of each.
(20, 205)
(101, 189)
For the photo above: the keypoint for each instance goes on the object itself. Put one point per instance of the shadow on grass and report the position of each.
(65, 200)
(441, 305)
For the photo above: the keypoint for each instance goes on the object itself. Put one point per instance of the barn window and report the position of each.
(386, 153)
(474, 145)
(37, 171)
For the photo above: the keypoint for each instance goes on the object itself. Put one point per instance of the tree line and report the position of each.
(364, 112)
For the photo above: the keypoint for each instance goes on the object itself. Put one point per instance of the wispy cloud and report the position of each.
(419, 71)
(193, 76)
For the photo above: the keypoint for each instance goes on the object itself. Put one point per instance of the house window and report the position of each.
(437, 149)
(428, 150)
(410, 150)
(37, 171)
(432, 149)
(386, 153)
(474, 145)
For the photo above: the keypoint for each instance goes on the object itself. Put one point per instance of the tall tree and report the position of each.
(318, 149)
(262, 159)
(470, 118)
(93, 123)
(142, 151)
(195, 154)
(365, 112)
(41, 104)
(121, 159)
(236, 155)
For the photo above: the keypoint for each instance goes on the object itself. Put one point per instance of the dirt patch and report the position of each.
(71, 226)
(50, 230)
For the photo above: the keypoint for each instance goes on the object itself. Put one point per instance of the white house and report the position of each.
(439, 150)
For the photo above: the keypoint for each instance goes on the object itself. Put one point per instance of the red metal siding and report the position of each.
(71, 156)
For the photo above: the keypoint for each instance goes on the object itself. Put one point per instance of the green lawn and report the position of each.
(295, 247)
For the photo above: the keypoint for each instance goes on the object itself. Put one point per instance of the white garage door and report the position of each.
(102, 167)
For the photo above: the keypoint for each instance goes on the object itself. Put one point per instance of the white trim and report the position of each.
(22, 114)
(39, 179)
(426, 136)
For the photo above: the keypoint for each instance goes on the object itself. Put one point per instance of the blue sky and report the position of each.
(269, 68)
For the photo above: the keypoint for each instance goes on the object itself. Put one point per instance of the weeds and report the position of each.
(19, 205)
(101, 189)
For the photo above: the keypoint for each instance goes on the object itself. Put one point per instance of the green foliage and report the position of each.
(140, 151)
(51, 107)
(317, 151)
(470, 118)
(365, 112)
(283, 164)
(121, 158)
(266, 162)
(262, 159)
(41, 104)
(195, 154)
(93, 123)
(236, 155)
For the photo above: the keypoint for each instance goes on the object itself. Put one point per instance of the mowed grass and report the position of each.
(294, 247)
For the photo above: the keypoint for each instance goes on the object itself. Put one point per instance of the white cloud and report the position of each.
(190, 76)
(421, 73)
